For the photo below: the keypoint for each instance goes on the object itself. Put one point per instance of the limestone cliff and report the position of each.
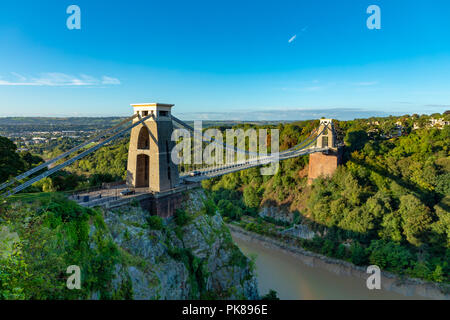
(194, 261)
(123, 253)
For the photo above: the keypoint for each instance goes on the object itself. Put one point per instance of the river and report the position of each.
(294, 280)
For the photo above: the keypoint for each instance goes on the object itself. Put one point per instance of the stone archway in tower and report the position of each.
(142, 171)
(144, 139)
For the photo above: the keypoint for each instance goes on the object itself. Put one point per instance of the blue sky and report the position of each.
(273, 60)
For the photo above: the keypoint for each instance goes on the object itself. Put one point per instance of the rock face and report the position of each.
(277, 213)
(300, 231)
(283, 215)
(193, 260)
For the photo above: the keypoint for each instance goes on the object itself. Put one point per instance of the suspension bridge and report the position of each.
(156, 181)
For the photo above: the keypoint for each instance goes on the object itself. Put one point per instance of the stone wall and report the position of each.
(322, 164)
(164, 207)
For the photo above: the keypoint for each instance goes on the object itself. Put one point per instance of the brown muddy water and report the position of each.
(294, 280)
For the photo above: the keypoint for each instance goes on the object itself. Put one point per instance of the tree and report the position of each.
(31, 160)
(416, 218)
(391, 227)
(442, 225)
(356, 139)
(386, 254)
(13, 273)
(10, 162)
(358, 254)
(47, 185)
(251, 197)
(181, 217)
(272, 295)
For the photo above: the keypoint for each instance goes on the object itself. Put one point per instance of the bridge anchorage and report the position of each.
(325, 163)
(154, 180)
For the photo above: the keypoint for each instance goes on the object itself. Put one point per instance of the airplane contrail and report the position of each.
(295, 36)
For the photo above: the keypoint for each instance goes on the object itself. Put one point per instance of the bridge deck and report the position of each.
(110, 198)
(226, 169)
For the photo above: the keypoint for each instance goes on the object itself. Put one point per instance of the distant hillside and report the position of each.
(26, 124)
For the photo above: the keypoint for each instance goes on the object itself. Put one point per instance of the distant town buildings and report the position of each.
(25, 140)
(439, 123)
(433, 123)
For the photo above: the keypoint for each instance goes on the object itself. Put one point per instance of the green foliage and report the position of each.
(341, 252)
(10, 162)
(108, 162)
(237, 258)
(182, 218)
(54, 234)
(13, 273)
(97, 179)
(46, 185)
(389, 192)
(209, 207)
(155, 222)
(442, 226)
(358, 254)
(197, 271)
(389, 255)
(271, 295)
(416, 218)
(251, 197)
(390, 198)
(228, 208)
(356, 139)
(297, 217)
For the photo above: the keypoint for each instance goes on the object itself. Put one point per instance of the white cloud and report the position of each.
(109, 80)
(19, 76)
(56, 79)
(292, 39)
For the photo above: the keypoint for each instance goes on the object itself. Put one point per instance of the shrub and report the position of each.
(297, 217)
(272, 295)
(341, 252)
(386, 254)
(328, 247)
(155, 223)
(358, 254)
(209, 207)
(181, 217)
(251, 197)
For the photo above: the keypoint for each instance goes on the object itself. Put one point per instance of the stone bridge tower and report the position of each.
(149, 157)
(325, 163)
(328, 137)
